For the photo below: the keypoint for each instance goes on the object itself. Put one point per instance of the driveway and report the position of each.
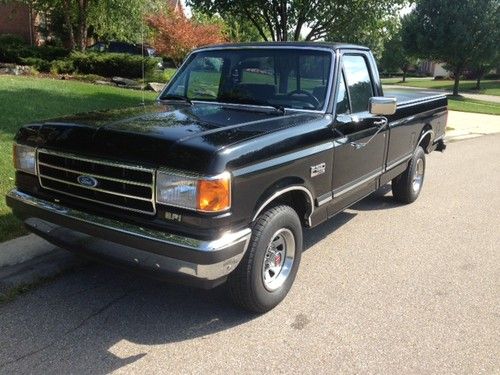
(383, 288)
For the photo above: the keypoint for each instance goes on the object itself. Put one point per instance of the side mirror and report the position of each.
(382, 106)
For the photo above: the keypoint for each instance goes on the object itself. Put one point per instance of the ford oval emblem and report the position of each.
(87, 181)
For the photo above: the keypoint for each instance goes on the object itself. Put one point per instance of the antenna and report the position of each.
(143, 87)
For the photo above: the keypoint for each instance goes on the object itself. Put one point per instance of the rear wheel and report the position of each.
(407, 186)
(267, 271)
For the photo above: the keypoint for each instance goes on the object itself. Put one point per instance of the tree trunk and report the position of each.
(457, 82)
(404, 75)
(478, 82)
(82, 24)
(69, 25)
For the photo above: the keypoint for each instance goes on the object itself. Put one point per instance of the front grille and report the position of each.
(113, 184)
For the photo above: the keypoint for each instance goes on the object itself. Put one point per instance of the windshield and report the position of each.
(279, 77)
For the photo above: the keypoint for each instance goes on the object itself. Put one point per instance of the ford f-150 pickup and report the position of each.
(214, 183)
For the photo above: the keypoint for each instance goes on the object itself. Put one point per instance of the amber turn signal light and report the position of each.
(214, 195)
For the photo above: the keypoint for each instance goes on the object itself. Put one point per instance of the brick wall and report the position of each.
(15, 19)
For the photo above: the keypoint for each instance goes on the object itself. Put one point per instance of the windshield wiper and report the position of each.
(249, 101)
(177, 97)
(279, 108)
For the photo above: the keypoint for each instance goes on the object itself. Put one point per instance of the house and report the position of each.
(434, 69)
(19, 19)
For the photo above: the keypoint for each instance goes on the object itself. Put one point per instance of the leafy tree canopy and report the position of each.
(395, 58)
(281, 20)
(459, 33)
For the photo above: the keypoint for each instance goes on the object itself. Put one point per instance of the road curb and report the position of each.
(22, 249)
(38, 268)
(29, 259)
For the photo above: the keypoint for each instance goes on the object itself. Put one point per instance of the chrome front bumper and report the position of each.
(164, 255)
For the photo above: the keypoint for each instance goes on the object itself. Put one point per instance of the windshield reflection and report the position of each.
(277, 77)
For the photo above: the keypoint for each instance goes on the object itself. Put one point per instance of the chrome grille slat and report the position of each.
(96, 189)
(96, 175)
(59, 172)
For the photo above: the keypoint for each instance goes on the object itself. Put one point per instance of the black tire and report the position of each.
(246, 284)
(405, 187)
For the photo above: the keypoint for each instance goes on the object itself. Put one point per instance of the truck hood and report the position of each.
(182, 137)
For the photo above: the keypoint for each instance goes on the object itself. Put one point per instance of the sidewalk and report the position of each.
(463, 125)
(486, 98)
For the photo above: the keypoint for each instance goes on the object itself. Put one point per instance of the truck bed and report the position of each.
(411, 96)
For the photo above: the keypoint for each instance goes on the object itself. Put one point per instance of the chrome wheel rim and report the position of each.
(418, 176)
(278, 259)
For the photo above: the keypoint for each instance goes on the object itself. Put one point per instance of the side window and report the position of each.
(342, 98)
(358, 82)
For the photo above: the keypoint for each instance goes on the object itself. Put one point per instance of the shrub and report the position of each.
(112, 64)
(62, 66)
(13, 50)
(10, 45)
(162, 76)
(50, 53)
(492, 76)
(9, 40)
(37, 63)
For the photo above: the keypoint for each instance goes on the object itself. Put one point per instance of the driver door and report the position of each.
(359, 139)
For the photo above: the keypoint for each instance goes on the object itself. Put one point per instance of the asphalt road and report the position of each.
(382, 288)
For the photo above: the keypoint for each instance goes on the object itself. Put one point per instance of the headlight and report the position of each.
(206, 195)
(24, 158)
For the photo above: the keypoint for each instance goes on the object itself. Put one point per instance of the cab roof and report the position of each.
(327, 45)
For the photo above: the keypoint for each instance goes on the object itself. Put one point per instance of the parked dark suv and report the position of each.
(123, 47)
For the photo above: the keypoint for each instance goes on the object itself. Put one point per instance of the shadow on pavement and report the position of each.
(380, 200)
(95, 319)
(72, 324)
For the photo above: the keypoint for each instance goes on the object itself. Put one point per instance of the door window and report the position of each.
(358, 82)
(342, 98)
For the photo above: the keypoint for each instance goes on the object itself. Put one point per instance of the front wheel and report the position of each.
(267, 271)
(407, 186)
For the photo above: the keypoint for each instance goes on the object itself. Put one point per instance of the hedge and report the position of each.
(58, 60)
(112, 64)
(13, 50)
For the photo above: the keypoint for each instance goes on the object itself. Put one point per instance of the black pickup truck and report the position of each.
(247, 145)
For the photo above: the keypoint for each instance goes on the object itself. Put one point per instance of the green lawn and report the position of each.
(26, 99)
(471, 105)
(488, 87)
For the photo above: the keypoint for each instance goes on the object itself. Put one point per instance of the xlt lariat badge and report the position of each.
(318, 169)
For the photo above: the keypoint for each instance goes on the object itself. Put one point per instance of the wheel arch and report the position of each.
(426, 138)
(292, 192)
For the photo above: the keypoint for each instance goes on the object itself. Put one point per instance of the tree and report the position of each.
(74, 21)
(123, 20)
(175, 35)
(459, 33)
(235, 30)
(371, 26)
(395, 57)
(282, 20)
